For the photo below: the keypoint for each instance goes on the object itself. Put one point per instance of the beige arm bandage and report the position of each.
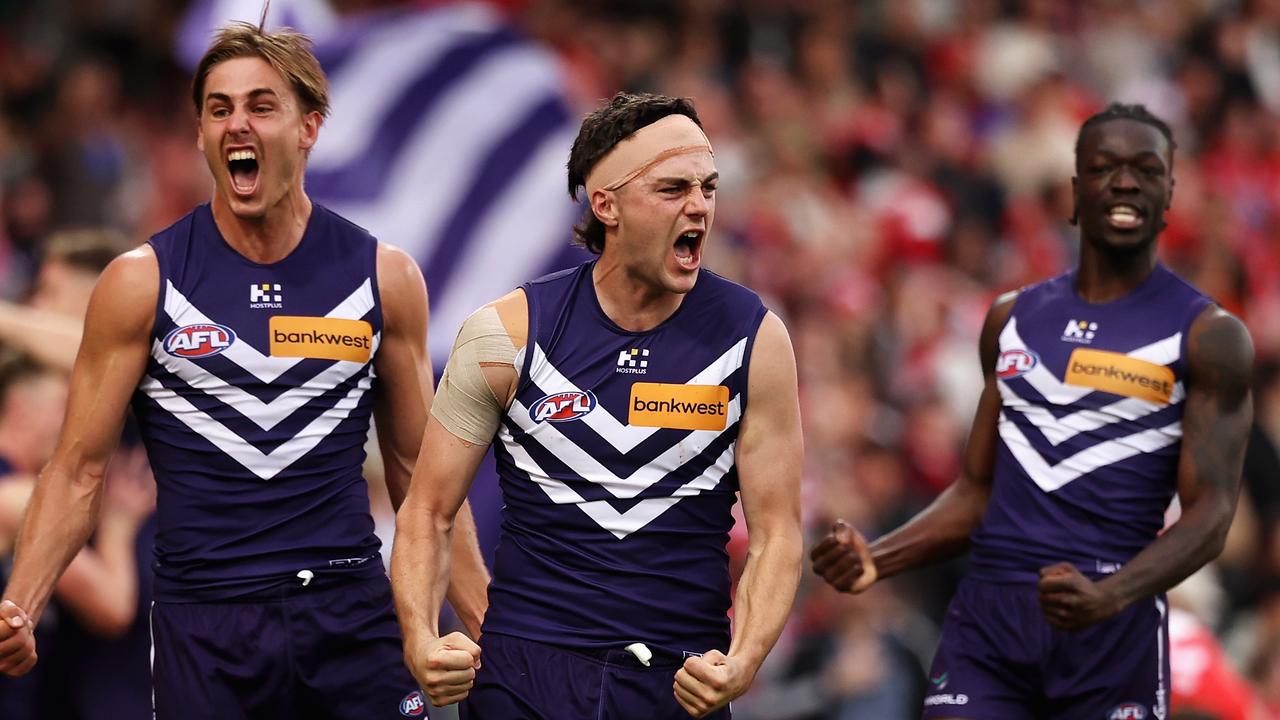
(465, 403)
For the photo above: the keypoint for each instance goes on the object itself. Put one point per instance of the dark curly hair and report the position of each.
(1121, 111)
(600, 131)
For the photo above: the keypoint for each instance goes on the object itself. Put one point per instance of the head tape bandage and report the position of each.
(636, 153)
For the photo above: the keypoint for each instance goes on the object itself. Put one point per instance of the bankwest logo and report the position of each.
(682, 407)
(318, 337)
(634, 361)
(1079, 331)
(265, 295)
(1120, 374)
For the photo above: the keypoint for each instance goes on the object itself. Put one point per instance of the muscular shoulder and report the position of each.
(772, 336)
(1220, 351)
(401, 288)
(127, 291)
(513, 312)
(773, 364)
(399, 276)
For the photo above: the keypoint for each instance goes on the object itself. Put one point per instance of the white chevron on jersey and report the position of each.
(265, 415)
(625, 437)
(264, 465)
(620, 524)
(264, 367)
(1059, 430)
(1051, 477)
(588, 468)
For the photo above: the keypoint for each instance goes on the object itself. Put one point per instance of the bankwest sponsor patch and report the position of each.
(319, 337)
(682, 407)
(1120, 374)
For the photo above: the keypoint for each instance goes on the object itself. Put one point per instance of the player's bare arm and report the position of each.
(769, 456)
(474, 393)
(1215, 429)
(401, 406)
(65, 503)
(940, 531)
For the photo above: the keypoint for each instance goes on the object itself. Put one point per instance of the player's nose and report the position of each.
(1124, 179)
(696, 204)
(238, 122)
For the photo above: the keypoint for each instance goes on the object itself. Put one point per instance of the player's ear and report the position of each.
(199, 137)
(604, 204)
(310, 130)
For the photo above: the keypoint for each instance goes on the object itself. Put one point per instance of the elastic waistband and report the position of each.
(659, 658)
(301, 582)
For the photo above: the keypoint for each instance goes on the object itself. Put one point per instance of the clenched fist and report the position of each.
(706, 684)
(445, 667)
(843, 559)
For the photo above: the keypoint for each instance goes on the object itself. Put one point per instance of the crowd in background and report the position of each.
(888, 168)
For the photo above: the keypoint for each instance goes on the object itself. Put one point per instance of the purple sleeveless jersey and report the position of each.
(255, 406)
(616, 462)
(1090, 427)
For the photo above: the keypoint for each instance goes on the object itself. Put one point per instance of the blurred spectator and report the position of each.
(99, 593)
(48, 325)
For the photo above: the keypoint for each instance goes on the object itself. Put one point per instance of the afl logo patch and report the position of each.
(1013, 363)
(1128, 711)
(563, 407)
(413, 705)
(197, 341)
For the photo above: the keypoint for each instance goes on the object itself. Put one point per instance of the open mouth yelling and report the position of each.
(1123, 216)
(243, 167)
(688, 249)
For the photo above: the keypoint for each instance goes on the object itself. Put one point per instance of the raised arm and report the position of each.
(401, 406)
(769, 457)
(478, 384)
(940, 531)
(1215, 428)
(64, 506)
